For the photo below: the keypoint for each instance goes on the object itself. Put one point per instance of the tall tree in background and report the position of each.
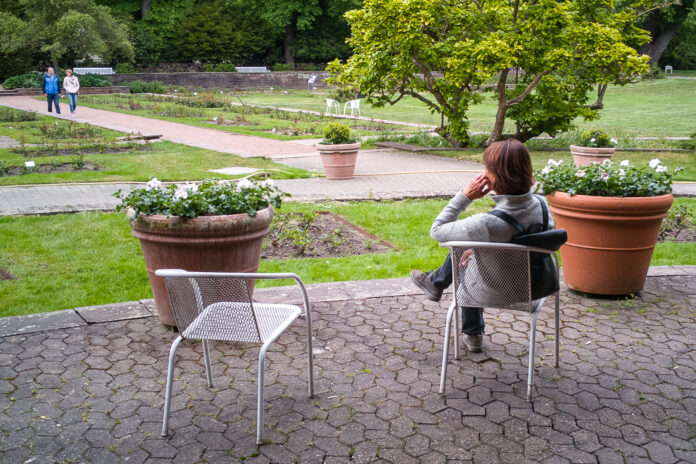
(663, 20)
(445, 52)
(64, 31)
(288, 17)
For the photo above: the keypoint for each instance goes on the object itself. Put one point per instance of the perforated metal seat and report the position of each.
(218, 306)
(495, 275)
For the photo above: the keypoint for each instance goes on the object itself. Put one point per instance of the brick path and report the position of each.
(624, 392)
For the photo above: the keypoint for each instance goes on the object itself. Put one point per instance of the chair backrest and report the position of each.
(492, 275)
(191, 294)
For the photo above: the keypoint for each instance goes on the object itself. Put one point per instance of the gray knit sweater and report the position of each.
(479, 280)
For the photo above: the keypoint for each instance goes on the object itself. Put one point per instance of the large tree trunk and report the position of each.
(144, 8)
(502, 110)
(658, 45)
(288, 41)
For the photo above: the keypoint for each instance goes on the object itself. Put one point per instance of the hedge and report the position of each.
(33, 81)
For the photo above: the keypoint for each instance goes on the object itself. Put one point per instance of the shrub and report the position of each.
(336, 133)
(689, 144)
(596, 139)
(342, 94)
(93, 80)
(139, 86)
(220, 67)
(124, 68)
(23, 81)
(282, 67)
(12, 115)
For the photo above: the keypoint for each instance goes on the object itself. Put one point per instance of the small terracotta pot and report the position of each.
(206, 243)
(610, 240)
(583, 156)
(339, 160)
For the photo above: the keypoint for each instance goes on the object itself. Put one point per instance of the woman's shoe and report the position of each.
(424, 282)
(473, 343)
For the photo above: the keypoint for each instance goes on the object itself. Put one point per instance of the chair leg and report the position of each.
(168, 390)
(259, 405)
(310, 356)
(206, 358)
(557, 316)
(457, 330)
(445, 348)
(532, 359)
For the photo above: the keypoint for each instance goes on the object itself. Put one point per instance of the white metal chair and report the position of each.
(218, 306)
(354, 106)
(495, 275)
(332, 104)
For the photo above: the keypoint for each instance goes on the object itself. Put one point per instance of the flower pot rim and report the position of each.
(338, 146)
(591, 149)
(579, 196)
(205, 218)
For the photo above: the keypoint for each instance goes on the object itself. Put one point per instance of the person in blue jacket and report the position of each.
(50, 86)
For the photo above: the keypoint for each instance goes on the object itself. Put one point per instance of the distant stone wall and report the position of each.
(229, 80)
(83, 91)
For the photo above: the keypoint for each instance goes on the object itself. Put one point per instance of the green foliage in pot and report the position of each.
(596, 139)
(606, 179)
(209, 198)
(336, 133)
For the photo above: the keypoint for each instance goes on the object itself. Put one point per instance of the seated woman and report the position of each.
(509, 174)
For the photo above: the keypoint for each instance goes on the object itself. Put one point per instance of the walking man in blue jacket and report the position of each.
(50, 85)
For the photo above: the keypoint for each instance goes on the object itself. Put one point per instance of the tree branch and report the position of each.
(598, 105)
(520, 98)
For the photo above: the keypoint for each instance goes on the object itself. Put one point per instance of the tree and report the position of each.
(64, 30)
(681, 52)
(663, 21)
(290, 16)
(540, 57)
(221, 30)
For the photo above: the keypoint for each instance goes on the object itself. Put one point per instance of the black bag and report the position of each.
(543, 271)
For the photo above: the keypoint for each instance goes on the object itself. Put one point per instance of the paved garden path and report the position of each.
(211, 139)
(86, 385)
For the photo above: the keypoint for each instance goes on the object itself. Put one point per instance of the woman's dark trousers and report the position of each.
(472, 318)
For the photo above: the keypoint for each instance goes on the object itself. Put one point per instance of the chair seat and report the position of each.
(224, 321)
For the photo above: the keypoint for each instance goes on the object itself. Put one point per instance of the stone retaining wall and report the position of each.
(229, 80)
(83, 91)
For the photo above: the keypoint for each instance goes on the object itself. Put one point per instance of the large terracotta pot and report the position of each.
(583, 156)
(610, 240)
(205, 243)
(339, 160)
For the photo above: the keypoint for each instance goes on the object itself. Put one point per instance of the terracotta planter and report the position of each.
(339, 160)
(205, 243)
(583, 156)
(610, 240)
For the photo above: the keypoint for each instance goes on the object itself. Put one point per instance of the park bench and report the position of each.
(106, 71)
(252, 69)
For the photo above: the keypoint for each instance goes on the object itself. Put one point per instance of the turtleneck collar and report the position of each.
(513, 201)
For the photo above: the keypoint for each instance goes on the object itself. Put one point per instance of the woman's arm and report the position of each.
(446, 227)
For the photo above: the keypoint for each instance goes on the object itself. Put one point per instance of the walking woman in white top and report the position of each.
(72, 87)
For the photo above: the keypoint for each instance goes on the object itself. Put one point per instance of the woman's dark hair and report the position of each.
(510, 162)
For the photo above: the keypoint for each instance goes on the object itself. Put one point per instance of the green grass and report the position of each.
(165, 160)
(663, 107)
(238, 119)
(67, 261)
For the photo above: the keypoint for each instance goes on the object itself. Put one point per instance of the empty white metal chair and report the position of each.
(495, 275)
(218, 306)
(354, 106)
(332, 105)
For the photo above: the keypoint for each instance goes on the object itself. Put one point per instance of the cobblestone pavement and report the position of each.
(625, 391)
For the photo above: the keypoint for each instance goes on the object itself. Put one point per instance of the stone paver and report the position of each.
(624, 391)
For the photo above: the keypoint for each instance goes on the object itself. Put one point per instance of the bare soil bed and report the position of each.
(51, 168)
(323, 234)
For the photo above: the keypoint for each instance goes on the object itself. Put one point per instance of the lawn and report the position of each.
(228, 113)
(73, 146)
(67, 261)
(661, 107)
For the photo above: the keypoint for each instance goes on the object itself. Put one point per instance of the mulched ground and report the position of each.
(6, 275)
(52, 168)
(681, 234)
(324, 234)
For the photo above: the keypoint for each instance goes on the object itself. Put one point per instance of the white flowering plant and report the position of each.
(211, 197)
(606, 179)
(597, 139)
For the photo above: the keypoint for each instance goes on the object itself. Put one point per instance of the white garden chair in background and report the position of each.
(354, 106)
(331, 105)
(218, 306)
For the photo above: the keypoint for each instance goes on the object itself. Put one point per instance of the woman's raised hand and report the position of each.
(478, 187)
